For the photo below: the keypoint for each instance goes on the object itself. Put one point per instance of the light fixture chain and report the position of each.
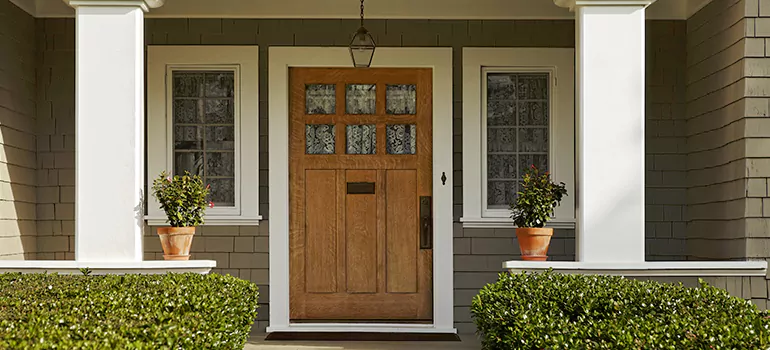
(362, 13)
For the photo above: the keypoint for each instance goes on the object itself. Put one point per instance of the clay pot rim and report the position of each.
(535, 231)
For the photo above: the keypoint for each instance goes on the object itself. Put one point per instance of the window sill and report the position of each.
(211, 221)
(508, 223)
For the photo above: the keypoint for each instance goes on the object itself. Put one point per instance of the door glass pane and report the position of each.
(360, 98)
(204, 130)
(517, 131)
(402, 139)
(361, 139)
(319, 139)
(401, 99)
(320, 99)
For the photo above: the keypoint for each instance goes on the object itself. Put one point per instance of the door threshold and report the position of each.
(362, 336)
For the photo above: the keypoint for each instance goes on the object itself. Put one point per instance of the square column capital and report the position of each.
(145, 5)
(572, 4)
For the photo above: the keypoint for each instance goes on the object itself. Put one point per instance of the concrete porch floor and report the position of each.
(257, 342)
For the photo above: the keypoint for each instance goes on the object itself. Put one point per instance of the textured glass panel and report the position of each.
(186, 111)
(187, 84)
(360, 98)
(402, 139)
(220, 164)
(361, 139)
(219, 111)
(532, 86)
(188, 137)
(220, 84)
(538, 160)
(501, 140)
(220, 138)
(401, 99)
(501, 194)
(501, 87)
(319, 139)
(222, 191)
(533, 140)
(320, 99)
(189, 161)
(533, 113)
(501, 112)
(501, 166)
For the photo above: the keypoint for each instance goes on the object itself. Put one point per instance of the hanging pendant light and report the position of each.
(362, 46)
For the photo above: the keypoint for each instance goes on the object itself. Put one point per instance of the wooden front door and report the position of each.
(360, 188)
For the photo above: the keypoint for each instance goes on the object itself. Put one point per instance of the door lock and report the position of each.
(426, 222)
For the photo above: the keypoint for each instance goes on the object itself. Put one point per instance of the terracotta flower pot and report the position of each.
(534, 242)
(176, 242)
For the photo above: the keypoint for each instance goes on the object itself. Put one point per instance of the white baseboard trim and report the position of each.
(104, 268)
(361, 327)
(649, 269)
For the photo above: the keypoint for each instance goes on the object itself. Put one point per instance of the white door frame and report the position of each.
(280, 59)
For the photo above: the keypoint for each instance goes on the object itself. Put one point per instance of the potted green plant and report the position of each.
(533, 207)
(183, 199)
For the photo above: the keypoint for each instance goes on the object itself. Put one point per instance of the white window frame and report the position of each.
(243, 61)
(477, 64)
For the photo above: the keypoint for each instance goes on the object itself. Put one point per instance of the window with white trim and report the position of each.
(517, 112)
(203, 119)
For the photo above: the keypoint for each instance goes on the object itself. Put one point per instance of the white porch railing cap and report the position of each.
(145, 5)
(572, 4)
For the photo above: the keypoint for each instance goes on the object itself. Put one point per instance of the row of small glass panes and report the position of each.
(361, 99)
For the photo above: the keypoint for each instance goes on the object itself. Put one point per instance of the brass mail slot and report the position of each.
(360, 187)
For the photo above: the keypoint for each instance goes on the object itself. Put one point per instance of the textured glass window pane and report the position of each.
(402, 139)
(501, 166)
(533, 113)
(220, 138)
(360, 99)
(501, 87)
(219, 111)
(188, 84)
(220, 164)
(401, 99)
(204, 121)
(320, 99)
(517, 126)
(186, 111)
(501, 140)
(533, 140)
(319, 139)
(501, 113)
(361, 139)
(538, 160)
(220, 84)
(501, 194)
(188, 137)
(532, 86)
(222, 191)
(188, 161)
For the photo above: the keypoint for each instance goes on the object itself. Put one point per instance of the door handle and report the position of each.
(426, 222)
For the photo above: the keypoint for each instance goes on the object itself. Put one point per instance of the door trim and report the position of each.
(280, 59)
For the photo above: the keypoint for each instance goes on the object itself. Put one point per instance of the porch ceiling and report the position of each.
(382, 9)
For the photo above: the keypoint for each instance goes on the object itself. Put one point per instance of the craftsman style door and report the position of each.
(360, 195)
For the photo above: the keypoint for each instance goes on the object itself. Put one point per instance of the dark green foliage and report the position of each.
(556, 311)
(182, 198)
(539, 196)
(172, 311)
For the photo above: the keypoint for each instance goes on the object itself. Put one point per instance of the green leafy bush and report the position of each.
(556, 311)
(539, 196)
(172, 311)
(182, 198)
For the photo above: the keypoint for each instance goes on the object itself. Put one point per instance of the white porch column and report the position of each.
(109, 126)
(610, 67)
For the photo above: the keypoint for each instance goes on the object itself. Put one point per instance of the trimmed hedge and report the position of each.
(557, 311)
(172, 311)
